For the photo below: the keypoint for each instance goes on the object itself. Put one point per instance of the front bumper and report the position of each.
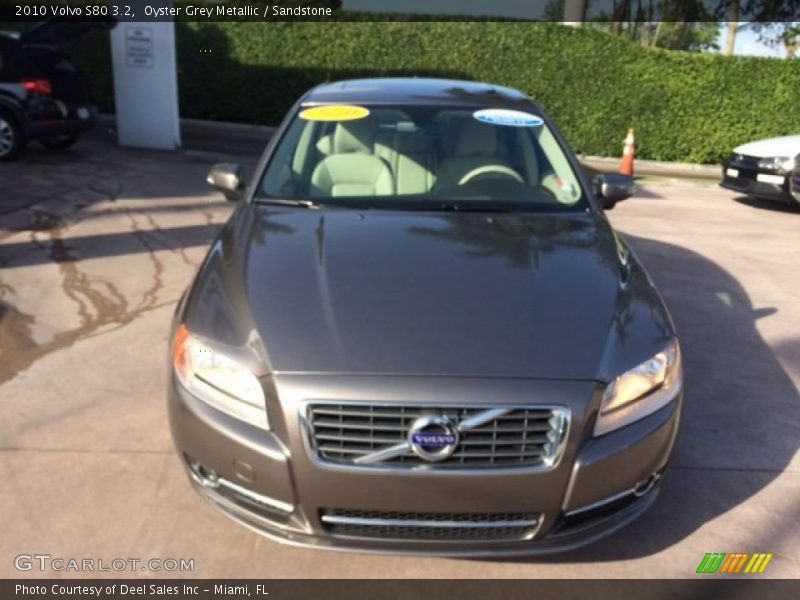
(267, 481)
(751, 181)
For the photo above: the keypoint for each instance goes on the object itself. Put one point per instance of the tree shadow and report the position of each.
(741, 420)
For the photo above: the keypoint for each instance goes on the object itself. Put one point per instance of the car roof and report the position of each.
(416, 90)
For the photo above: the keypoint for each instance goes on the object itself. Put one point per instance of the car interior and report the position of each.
(440, 154)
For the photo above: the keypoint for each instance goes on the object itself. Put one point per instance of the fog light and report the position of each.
(204, 476)
(210, 479)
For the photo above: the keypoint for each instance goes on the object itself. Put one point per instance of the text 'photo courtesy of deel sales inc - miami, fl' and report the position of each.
(159, 590)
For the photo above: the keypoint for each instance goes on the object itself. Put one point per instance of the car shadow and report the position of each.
(764, 204)
(741, 420)
(647, 194)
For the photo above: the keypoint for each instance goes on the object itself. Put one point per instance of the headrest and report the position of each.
(354, 136)
(476, 139)
(325, 144)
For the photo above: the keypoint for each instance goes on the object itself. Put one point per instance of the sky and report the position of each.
(747, 44)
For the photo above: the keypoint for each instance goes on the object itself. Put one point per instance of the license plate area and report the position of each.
(767, 178)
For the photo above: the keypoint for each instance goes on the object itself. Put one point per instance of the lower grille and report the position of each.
(372, 435)
(430, 526)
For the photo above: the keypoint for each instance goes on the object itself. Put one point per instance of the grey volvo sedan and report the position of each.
(418, 333)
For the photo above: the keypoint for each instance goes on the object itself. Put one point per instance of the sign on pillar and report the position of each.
(145, 82)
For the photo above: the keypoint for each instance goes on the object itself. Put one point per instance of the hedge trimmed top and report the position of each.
(685, 106)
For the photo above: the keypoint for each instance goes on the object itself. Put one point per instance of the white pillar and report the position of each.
(145, 81)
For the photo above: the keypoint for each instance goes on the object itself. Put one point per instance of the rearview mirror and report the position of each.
(611, 188)
(227, 178)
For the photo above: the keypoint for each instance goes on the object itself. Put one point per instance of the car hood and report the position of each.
(341, 291)
(64, 30)
(779, 146)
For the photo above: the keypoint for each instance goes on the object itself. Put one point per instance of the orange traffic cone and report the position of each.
(628, 154)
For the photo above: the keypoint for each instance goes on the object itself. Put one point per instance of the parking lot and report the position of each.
(97, 245)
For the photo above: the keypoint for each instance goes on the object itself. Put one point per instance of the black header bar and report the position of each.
(630, 11)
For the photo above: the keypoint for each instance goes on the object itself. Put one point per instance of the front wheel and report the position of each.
(59, 142)
(11, 140)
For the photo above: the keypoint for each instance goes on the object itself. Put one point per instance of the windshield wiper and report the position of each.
(449, 207)
(282, 202)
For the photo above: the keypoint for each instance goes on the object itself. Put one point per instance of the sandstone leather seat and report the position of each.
(409, 155)
(351, 169)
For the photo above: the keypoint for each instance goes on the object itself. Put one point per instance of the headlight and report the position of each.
(641, 391)
(218, 380)
(782, 164)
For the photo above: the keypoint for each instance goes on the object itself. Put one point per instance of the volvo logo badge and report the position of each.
(433, 438)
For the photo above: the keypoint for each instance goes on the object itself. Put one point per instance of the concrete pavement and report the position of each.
(98, 243)
(656, 168)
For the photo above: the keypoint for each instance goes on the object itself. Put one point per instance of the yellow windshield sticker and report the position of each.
(337, 112)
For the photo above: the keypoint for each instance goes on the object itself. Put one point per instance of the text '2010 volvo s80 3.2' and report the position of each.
(418, 333)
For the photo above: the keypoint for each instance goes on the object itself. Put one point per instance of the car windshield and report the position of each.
(421, 158)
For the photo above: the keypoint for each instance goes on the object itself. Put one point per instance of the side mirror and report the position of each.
(227, 178)
(611, 188)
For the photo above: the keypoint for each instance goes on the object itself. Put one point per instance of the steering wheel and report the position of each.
(499, 169)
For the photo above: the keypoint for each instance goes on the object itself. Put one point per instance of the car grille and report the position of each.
(430, 526)
(515, 437)
(744, 162)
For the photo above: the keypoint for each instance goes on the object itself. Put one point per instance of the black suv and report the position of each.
(43, 96)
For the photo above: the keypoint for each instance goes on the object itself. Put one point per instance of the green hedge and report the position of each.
(684, 106)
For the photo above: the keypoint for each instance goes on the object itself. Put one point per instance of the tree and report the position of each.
(691, 37)
(733, 26)
(792, 43)
(672, 24)
(786, 34)
(694, 37)
(554, 11)
(774, 20)
(574, 12)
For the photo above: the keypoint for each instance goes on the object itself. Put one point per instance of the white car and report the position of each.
(795, 183)
(763, 169)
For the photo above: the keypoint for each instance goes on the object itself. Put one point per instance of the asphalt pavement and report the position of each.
(97, 244)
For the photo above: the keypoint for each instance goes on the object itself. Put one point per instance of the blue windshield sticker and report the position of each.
(510, 118)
